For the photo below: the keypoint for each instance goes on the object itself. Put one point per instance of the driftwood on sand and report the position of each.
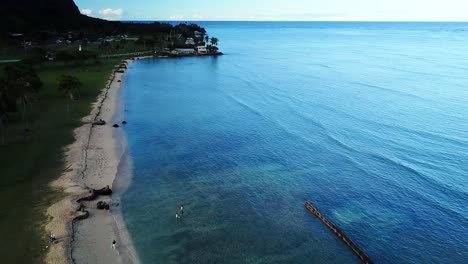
(95, 193)
(83, 213)
(99, 123)
(102, 205)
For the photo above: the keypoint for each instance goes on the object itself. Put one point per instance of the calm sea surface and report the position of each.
(369, 121)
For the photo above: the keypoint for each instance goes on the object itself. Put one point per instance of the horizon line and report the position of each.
(315, 21)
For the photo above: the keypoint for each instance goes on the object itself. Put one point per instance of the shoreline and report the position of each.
(97, 158)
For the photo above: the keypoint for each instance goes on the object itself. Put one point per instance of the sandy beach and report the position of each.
(93, 161)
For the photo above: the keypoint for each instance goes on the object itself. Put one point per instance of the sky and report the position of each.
(277, 10)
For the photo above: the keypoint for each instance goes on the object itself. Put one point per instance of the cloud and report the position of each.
(111, 14)
(197, 17)
(176, 17)
(181, 17)
(87, 12)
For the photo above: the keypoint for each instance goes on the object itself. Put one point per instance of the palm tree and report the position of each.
(69, 85)
(3, 107)
(207, 39)
(22, 84)
(2, 127)
(24, 97)
(214, 42)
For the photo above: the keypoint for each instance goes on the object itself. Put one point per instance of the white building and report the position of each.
(189, 41)
(201, 50)
(185, 51)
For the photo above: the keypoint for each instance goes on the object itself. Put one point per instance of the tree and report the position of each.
(24, 98)
(69, 85)
(214, 41)
(207, 39)
(2, 126)
(21, 84)
(3, 108)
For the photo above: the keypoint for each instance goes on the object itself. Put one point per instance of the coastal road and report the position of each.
(127, 54)
(102, 56)
(8, 61)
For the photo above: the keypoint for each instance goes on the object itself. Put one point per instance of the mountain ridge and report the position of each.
(19, 16)
(31, 17)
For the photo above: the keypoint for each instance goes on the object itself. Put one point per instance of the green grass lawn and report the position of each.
(26, 167)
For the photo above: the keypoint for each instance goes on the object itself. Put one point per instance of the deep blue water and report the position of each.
(369, 121)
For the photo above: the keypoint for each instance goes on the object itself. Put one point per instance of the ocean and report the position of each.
(368, 121)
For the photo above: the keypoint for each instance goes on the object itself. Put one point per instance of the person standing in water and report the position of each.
(177, 216)
(181, 209)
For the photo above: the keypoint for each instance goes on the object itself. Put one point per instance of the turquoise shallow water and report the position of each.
(366, 120)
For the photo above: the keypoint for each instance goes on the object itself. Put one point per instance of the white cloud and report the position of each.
(197, 17)
(111, 14)
(176, 17)
(87, 12)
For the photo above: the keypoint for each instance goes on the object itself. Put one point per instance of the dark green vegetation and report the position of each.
(29, 161)
(18, 88)
(69, 85)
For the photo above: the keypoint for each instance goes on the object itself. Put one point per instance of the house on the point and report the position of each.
(201, 50)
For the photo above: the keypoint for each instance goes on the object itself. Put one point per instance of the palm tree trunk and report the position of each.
(24, 109)
(3, 131)
(24, 113)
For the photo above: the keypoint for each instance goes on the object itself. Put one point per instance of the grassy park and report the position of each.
(28, 164)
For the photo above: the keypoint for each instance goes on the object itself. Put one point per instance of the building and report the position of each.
(201, 50)
(189, 41)
(185, 51)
